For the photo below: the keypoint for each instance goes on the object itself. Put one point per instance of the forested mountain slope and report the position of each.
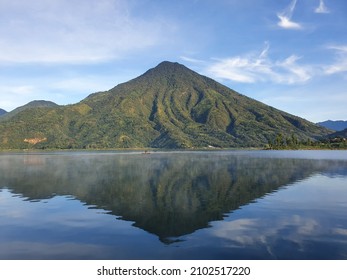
(169, 106)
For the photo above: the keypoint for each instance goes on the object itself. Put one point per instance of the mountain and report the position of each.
(2, 112)
(169, 106)
(30, 105)
(338, 134)
(334, 125)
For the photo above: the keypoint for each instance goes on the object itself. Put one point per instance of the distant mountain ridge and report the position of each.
(30, 105)
(169, 106)
(334, 125)
(2, 112)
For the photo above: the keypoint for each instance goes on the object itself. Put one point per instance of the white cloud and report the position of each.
(340, 64)
(256, 67)
(253, 67)
(189, 59)
(70, 31)
(322, 8)
(285, 17)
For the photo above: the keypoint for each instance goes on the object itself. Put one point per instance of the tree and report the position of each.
(279, 140)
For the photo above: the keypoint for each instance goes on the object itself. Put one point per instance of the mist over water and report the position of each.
(174, 205)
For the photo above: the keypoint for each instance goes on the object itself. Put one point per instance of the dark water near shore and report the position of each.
(174, 205)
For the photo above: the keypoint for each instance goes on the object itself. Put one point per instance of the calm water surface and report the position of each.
(174, 205)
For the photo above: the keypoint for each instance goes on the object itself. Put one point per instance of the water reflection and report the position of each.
(166, 195)
(170, 195)
(304, 221)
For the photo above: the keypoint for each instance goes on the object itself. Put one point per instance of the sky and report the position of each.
(289, 54)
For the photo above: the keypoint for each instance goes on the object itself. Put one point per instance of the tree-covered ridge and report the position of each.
(169, 106)
(30, 105)
(339, 134)
(337, 140)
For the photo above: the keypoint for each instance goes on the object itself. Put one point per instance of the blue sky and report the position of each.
(290, 54)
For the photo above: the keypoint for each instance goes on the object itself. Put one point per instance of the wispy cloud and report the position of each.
(285, 17)
(322, 8)
(340, 64)
(189, 59)
(259, 67)
(66, 31)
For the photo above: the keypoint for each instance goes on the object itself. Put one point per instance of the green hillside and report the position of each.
(341, 134)
(30, 105)
(169, 106)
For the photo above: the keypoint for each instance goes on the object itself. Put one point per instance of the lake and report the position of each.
(174, 205)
